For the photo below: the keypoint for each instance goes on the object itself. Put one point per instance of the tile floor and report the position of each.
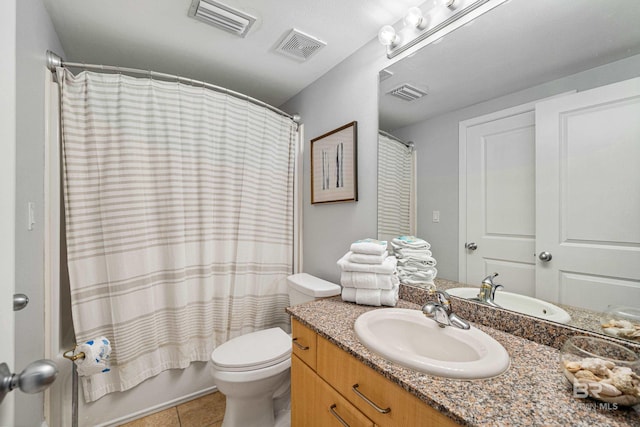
(205, 411)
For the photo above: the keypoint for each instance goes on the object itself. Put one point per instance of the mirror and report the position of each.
(517, 54)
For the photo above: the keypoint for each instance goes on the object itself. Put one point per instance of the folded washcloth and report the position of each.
(427, 284)
(369, 246)
(418, 271)
(367, 258)
(375, 297)
(388, 266)
(427, 274)
(417, 262)
(410, 242)
(412, 253)
(358, 279)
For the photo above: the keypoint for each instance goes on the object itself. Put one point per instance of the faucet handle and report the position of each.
(488, 288)
(489, 279)
(442, 297)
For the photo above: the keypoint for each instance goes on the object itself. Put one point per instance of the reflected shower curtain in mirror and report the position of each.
(396, 188)
(179, 220)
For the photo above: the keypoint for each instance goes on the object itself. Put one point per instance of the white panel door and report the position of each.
(588, 196)
(500, 201)
(7, 193)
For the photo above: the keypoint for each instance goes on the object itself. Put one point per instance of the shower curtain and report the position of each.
(179, 220)
(396, 188)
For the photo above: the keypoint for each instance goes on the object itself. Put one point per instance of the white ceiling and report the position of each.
(517, 45)
(158, 35)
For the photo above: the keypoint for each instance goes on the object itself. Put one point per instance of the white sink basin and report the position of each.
(520, 303)
(410, 339)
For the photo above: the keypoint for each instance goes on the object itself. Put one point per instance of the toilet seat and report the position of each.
(256, 350)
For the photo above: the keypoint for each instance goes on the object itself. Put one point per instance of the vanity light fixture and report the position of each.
(414, 18)
(387, 36)
(427, 26)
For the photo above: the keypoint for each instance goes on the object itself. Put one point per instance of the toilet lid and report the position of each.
(256, 350)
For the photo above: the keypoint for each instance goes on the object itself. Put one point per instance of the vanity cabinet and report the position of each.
(362, 397)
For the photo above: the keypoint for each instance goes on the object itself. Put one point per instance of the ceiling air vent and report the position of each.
(222, 16)
(407, 92)
(299, 45)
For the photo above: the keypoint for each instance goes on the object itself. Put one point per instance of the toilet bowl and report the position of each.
(253, 370)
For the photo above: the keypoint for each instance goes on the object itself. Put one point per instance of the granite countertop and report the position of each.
(532, 391)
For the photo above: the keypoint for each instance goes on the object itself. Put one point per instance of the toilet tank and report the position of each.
(304, 287)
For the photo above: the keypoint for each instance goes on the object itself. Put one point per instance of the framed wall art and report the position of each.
(334, 172)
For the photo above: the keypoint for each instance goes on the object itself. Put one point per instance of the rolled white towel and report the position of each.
(388, 266)
(369, 246)
(368, 259)
(357, 279)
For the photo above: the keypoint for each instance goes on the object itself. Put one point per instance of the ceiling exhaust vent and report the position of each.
(407, 92)
(299, 45)
(221, 16)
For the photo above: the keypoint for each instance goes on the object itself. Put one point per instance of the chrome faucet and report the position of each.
(440, 311)
(488, 290)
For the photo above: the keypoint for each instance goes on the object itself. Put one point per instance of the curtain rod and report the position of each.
(54, 61)
(409, 144)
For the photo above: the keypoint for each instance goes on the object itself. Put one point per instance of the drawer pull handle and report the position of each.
(335, 414)
(366, 399)
(300, 346)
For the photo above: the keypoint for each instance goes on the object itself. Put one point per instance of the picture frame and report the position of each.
(334, 165)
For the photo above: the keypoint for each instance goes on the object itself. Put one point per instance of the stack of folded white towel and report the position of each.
(369, 274)
(416, 265)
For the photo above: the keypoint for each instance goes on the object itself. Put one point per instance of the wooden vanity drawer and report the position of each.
(345, 373)
(303, 343)
(316, 404)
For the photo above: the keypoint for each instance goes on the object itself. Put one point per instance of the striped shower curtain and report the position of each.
(396, 188)
(179, 211)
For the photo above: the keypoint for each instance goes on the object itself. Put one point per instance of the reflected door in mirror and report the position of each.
(500, 185)
(588, 198)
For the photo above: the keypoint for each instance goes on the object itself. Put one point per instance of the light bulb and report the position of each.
(387, 35)
(449, 3)
(414, 18)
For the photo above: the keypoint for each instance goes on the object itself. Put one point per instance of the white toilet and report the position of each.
(252, 370)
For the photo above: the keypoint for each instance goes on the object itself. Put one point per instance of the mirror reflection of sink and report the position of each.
(520, 303)
(410, 339)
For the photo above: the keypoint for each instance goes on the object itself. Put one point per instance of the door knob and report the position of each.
(471, 246)
(36, 377)
(20, 301)
(545, 256)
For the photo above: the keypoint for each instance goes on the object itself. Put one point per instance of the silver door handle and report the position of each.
(20, 301)
(471, 246)
(36, 377)
(545, 256)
